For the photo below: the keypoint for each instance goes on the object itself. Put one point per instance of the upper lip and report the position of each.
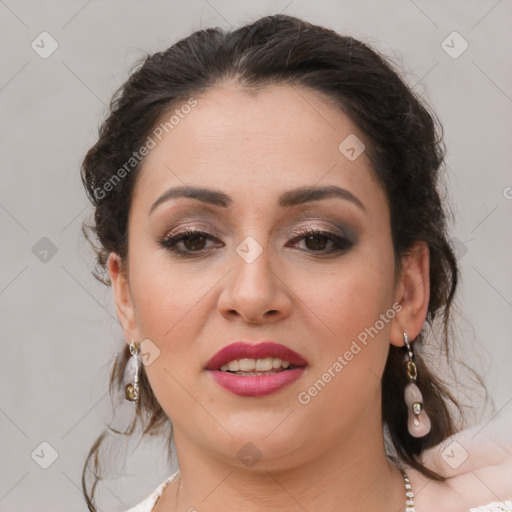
(244, 350)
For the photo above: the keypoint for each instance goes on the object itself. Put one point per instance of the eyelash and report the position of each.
(340, 243)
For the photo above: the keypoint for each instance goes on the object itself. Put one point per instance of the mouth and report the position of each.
(250, 367)
(255, 370)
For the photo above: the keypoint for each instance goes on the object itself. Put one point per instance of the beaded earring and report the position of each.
(418, 421)
(131, 374)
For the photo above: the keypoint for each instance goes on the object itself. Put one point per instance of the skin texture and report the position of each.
(325, 455)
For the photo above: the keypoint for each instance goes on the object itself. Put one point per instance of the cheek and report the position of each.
(171, 311)
(166, 295)
(173, 302)
(352, 352)
(350, 299)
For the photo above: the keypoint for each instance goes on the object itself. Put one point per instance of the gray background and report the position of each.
(59, 330)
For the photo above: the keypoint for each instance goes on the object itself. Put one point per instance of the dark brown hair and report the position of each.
(404, 143)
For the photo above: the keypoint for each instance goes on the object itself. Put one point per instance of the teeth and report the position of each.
(233, 366)
(250, 365)
(264, 365)
(247, 365)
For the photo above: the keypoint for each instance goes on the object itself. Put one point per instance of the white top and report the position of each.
(148, 504)
(469, 450)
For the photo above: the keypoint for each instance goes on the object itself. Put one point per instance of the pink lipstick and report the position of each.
(256, 383)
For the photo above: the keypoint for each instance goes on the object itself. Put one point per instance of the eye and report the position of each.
(187, 242)
(317, 240)
(193, 242)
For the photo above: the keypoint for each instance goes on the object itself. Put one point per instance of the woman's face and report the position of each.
(253, 274)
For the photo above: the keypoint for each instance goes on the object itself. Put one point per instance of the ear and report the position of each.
(413, 293)
(123, 299)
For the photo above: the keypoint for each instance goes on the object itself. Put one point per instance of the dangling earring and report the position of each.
(131, 374)
(418, 421)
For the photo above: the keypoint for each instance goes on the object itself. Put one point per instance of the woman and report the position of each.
(267, 208)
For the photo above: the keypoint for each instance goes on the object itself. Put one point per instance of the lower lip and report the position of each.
(256, 385)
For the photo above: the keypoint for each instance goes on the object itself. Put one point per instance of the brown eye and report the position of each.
(322, 242)
(190, 242)
(194, 242)
(316, 242)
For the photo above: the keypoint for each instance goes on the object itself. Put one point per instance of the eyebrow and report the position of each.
(289, 198)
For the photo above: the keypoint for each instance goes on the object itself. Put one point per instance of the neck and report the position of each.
(353, 474)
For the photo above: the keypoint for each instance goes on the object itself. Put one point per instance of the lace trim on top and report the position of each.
(502, 506)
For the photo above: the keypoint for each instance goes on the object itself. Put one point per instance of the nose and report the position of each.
(254, 292)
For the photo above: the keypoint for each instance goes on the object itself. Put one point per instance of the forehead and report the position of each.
(280, 116)
(255, 141)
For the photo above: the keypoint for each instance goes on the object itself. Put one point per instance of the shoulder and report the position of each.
(148, 504)
(484, 445)
(477, 465)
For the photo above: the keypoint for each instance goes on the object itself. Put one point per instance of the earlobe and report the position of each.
(122, 297)
(413, 293)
